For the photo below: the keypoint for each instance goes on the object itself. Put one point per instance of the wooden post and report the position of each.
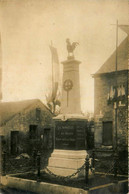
(3, 163)
(38, 166)
(34, 158)
(115, 166)
(0, 155)
(93, 159)
(87, 172)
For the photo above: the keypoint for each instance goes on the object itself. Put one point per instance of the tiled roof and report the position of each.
(125, 28)
(122, 59)
(9, 109)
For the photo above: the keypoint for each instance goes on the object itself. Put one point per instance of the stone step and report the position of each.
(65, 163)
(69, 154)
(66, 172)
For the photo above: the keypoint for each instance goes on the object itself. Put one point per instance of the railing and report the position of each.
(34, 164)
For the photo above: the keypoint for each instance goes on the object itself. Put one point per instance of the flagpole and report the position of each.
(116, 68)
(116, 42)
(116, 103)
(53, 81)
(52, 69)
(55, 74)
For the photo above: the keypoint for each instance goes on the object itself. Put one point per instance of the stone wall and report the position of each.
(21, 122)
(106, 112)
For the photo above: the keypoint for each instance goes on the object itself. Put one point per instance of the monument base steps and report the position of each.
(66, 172)
(67, 162)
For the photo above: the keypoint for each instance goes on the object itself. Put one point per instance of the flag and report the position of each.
(123, 90)
(55, 65)
(112, 92)
(54, 97)
(119, 91)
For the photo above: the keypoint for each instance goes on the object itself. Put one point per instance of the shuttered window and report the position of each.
(38, 112)
(33, 131)
(107, 133)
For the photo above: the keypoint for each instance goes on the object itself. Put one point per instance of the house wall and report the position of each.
(106, 112)
(21, 123)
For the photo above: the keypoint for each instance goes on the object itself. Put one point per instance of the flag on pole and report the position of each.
(55, 65)
(55, 77)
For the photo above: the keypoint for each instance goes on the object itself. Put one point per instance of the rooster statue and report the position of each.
(71, 48)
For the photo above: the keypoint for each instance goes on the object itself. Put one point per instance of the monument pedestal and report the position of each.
(70, 146)
(70, 139)
(66, 162)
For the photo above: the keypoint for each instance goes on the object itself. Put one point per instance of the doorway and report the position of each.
(107, 133)
(14, 142)
(46, 138)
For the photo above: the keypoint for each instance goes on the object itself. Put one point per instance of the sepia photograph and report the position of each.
(64, 96)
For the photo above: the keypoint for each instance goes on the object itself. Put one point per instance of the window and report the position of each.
(46, 138)
(107, 133)
(38, 111)
(14, 142)
(33, 131)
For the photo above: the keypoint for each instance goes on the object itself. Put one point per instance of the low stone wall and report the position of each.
(48, 188)
(120, 188)
(39, 187)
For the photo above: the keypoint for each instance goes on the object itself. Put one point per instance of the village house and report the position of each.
(111, 101)
(25, 125)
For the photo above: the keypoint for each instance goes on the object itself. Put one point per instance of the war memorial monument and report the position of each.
(70, 125)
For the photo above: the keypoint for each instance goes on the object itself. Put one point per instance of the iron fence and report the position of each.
(13, 165)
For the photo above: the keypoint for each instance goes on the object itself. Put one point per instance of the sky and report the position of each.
(27, 28)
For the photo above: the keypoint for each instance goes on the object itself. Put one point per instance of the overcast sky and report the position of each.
(27, 28)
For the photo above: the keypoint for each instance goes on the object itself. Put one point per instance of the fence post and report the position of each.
(87, 172)
(34, 157)
(115, 166)
(38, 166)
(93, 158)
(3, 163)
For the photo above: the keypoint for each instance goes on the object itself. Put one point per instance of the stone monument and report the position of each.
(70, 125)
